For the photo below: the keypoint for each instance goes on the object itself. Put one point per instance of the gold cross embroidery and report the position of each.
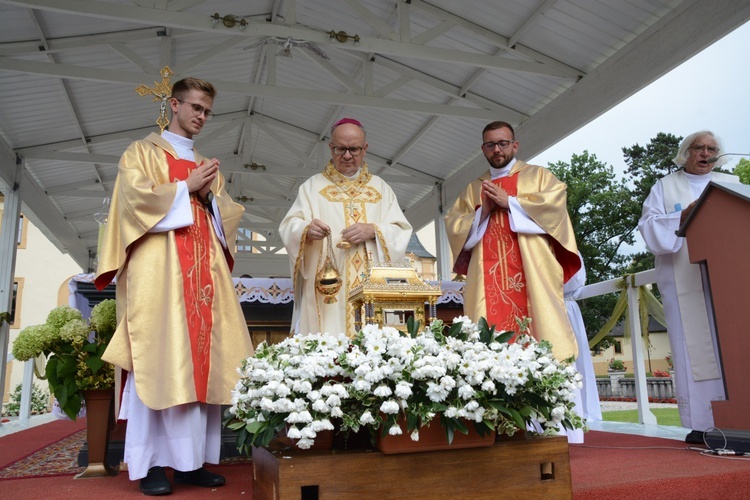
(161, 92)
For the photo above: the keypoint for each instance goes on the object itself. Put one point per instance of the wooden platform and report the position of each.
(528, 468)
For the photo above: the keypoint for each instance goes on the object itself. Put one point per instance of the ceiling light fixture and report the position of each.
(255, 166)
(343, 36)
(229, 20)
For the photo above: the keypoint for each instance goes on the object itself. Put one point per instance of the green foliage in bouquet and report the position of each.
(74, 351)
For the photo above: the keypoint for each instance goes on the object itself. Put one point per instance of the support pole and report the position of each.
(24, 412)
(444, 259)
(8, 247)
(641, 391)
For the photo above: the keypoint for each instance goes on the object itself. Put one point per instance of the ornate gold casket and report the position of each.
(390, 293)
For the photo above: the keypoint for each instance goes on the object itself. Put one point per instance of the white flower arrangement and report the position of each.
(468, 373)
(293, 386)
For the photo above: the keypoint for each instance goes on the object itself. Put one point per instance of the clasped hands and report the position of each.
(355, 234)
(493, 197)
(200, 179)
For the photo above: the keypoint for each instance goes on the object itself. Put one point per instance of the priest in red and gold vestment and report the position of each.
(510, 234)
(181, 333)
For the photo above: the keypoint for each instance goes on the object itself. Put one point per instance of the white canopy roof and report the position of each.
(424, 77)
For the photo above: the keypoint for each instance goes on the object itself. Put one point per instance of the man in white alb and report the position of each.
(684, 294)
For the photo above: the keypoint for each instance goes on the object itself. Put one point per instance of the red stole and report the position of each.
(193, 247)
(504, 279)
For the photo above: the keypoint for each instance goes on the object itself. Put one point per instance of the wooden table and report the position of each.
(525, 467)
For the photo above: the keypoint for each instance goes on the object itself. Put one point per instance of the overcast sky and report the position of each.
(709, 91)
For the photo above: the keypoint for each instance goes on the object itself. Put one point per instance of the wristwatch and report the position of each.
(209, 198)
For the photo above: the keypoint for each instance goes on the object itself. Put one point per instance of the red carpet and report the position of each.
(619, 466)
(608, 466)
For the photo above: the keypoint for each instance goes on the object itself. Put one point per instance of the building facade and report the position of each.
(40, 284)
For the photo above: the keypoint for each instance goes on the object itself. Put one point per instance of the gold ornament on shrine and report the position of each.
(161, 92)
(390, 293)
(328, 280)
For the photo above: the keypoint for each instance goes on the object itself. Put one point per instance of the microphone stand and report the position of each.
(713, 159)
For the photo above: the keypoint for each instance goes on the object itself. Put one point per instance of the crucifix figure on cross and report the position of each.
(161, 92)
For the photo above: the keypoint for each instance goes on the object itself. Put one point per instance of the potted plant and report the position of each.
(390, 383)
(76, 372)
(616, 365)
(74, 349)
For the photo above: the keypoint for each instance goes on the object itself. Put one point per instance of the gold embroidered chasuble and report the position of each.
(339, 202)
(548, 259)
(152, 340)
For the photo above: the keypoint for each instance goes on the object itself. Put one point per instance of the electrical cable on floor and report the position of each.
(722, 451)
(629, 447)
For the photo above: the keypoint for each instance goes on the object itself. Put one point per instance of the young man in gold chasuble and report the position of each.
(181, 333)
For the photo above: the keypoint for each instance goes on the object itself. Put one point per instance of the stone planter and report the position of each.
(614, 380)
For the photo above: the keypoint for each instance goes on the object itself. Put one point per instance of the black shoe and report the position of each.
(199, 477)
(155, 483)
(695, 437)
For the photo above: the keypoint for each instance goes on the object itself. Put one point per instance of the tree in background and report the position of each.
(605, 210)
(604, 213)
(743, 170)
(648, 164)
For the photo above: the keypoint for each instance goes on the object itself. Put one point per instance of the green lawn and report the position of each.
(664, 416)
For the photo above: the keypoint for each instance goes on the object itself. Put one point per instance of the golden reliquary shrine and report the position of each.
(391, 293)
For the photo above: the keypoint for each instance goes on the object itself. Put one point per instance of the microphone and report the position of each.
(714, 158)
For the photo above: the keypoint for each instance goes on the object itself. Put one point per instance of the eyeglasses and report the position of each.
(341, 150)
(490, 146)
(198, 109)
(711, 149)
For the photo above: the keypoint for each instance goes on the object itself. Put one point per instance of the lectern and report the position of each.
(718, 237)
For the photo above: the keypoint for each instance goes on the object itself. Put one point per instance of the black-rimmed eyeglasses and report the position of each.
(341, 150)
(490, 146)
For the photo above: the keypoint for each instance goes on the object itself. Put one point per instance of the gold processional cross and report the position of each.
(161, 92)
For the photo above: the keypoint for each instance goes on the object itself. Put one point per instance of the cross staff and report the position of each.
(161, 92)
